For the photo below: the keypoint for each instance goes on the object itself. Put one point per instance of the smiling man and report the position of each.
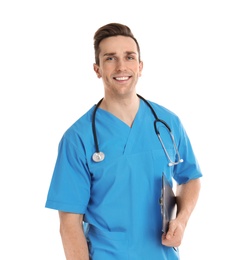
(106, 182)
(119, 66)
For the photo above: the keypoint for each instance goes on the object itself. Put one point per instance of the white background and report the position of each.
(197, 62)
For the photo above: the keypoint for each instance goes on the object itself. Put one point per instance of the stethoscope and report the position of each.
(99, 156)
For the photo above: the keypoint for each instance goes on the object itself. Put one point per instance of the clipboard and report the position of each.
(168, 204)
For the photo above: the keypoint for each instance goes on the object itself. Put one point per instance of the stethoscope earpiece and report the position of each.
(175, 163)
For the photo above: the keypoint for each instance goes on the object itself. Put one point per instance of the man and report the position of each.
(110, 163)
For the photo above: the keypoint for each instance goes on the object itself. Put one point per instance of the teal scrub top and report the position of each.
(119, 196)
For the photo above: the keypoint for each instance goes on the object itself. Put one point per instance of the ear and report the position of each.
(140, 68)
(97, 70)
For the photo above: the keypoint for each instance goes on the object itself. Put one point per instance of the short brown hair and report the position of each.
(109, 30)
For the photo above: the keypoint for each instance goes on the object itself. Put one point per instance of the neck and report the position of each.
(125, 108)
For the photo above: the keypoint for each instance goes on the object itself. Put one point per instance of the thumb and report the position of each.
(170, 232)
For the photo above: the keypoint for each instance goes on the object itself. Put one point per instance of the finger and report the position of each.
(171, 232)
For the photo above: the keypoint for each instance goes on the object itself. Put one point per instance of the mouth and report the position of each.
(124, 78)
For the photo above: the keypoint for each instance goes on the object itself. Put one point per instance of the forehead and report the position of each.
(117, 44)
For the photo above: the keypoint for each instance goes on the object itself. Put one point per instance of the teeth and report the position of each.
(122, 78)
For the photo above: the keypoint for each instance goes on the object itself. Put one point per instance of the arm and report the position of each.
(187, 197)
(72, 235)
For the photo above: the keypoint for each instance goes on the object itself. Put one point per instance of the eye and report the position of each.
(110, 58)
(130, 57)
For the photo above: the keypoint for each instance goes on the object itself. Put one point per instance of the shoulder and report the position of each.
(168, 116)
(162, 110)
(80, 127)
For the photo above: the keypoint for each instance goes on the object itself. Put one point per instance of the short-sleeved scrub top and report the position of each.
(119, 196)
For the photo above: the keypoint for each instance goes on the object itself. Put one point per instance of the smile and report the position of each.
(122, 78)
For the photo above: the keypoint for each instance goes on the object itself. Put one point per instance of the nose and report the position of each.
(121, 65)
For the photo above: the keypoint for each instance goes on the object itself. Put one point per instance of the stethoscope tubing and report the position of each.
(94, 127)
(99, 156)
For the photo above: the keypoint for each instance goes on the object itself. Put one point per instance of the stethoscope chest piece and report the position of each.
(98, 157)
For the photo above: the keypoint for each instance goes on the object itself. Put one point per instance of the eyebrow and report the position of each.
(114, 53)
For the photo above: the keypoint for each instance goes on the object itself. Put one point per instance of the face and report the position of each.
(119, 65)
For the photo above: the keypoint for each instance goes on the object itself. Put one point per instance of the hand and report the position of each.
(173, 237)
